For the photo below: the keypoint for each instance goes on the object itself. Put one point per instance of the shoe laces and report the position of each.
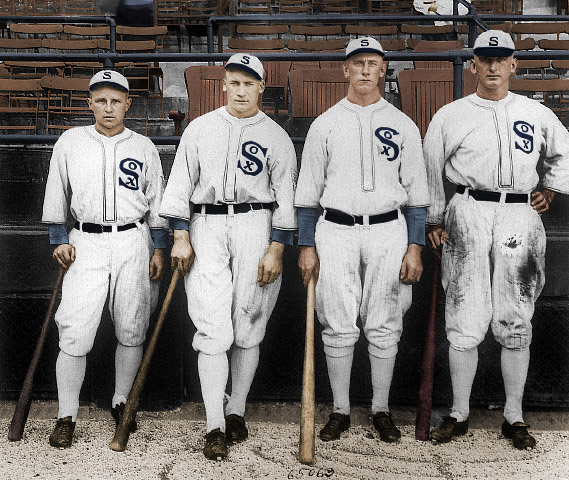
(334, 423)
(384, 421)
(66, 428)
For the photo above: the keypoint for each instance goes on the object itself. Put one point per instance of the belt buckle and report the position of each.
(353, 219)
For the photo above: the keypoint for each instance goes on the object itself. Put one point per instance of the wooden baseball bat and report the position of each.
(423, 420)
(122, 432)
(16, 429)
(306, 446)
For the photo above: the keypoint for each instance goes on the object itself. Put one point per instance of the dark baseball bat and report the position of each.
(306, 446)
(122, 432)
(16, 429)
(424, 409)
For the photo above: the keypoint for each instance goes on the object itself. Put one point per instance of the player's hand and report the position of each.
(437, 236)
(309, 264)
(271, 265)
(412, 265)
(540, 201)
(65, 255)
(182, 254)
(433, 8)
(156, 267)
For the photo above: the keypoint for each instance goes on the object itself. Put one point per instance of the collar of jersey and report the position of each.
(489, 103)
(255, 118)
(354, 106)
(93, 132)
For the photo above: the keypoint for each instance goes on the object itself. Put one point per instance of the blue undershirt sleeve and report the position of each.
(58, 234)
(286, 237)
(307, 219)
(177, 224)
(160, 237)
(415, 217)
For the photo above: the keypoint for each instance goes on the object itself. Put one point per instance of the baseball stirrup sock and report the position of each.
(127, 361)
(70, 373)
(244, 363)
(463, 364)
(381, 376)
(339, 372)
(213, 371)
(515, 365)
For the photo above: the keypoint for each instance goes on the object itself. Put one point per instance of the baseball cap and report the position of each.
(494, 43)
(111, 78)
(248, 63)
(363, 45)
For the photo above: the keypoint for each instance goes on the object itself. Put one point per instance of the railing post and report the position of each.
(209, 35)
(457, 66)
(108, 63)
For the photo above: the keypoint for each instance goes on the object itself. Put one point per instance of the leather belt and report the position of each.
(342, 218)
(486, 196)
(225, 208)
(96, 228)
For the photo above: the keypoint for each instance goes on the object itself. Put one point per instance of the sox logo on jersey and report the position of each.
(522, 129)
(255, 154)
(132, 169)
(388, 148)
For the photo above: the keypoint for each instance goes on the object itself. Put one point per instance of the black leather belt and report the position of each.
(342, 218)
(96, 228)
(223, 209)
(485, 196)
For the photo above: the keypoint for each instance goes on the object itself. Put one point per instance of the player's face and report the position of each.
(364, 71)
(109, 107)
(493, 74)
(243, 92)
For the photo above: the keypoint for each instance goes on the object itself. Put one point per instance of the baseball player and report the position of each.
(439, 7)
(111, 179)
(362, 164)
(229, 200)
(488, 145)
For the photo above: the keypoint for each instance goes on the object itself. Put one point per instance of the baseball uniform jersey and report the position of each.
(362, 161)
(226, 160)
(493, 262)
(111, 181)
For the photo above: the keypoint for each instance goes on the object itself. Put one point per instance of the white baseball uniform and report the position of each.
(114, 182)
(493, 262)
(226, 160)
(362, 161)
(443, 7)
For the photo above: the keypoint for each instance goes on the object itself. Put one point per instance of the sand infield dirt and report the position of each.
(168, 446)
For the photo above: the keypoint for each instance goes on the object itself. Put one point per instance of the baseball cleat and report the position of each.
(215, 445)
(388, 432)
(449, 428)
(235, 429)
(337, 423)
(62, 435)
(118, 412)
(518, 433)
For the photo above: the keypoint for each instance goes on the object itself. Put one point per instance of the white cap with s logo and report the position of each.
(494, 43)
(364, 45)
(247, 63)
(110, 78)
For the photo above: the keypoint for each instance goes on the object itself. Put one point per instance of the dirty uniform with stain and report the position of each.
(493, 261)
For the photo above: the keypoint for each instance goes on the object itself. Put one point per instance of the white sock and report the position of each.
(244, 363)
(463, 364)
(339, 372)
(127, 361)
(515, 365)
(70, 373)
(381, 376)
(214, 371)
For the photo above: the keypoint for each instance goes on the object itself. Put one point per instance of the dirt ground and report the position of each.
(168, 446)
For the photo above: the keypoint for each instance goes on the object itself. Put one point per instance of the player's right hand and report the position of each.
(309, 264)
(65, 255)
(182, 255)
(437, 236)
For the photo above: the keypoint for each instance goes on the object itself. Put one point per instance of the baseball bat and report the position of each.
(16, 429)
(122, 432)
(306, 446)
(423, 420)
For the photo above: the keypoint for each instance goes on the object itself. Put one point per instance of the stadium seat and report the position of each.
(34, 69)
(295, 6)
(416, 32)
(36, 30)
(19, 104)
(424, 91)
(390, 6)
(71, 32)
(336, 6)
(423, 46)
(267, 32)
(554, 93)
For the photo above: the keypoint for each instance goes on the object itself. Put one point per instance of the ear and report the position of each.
(383, 68)
(346, 71)
(514, 66)
(224, 85)
(261, 86)
(128, 103)
(473, 65)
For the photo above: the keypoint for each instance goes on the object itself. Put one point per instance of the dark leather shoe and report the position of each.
(447, 429)
(235, 429)
(337, 423)
(62, 435)
(215, 445)
(388, 432)
(118, 412)
(518, 433)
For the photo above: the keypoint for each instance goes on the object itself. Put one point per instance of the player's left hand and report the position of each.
(412, 265)
(156, 267)
(271, 265)
(540, 201)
